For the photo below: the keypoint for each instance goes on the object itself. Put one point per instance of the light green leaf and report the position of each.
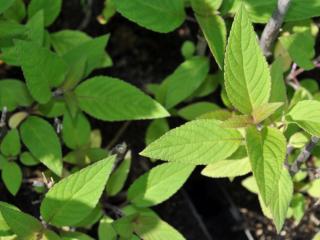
(111, 99)
(14, 93)
(156, 129)
(220, 114)
(10, 145)
(247, 76)
(213, 28)
(51, 9)
(237, 121)
(194, 110)
(281, 198)
(205, 7)
(265, 111)
(12, 177)
(301, 48)
(42, 141)
(157, 15)
(75, 236)
(266, 151)
(119, 176)
(236, 165)
(105, 229)
(65, 40)
(41, 68)
(188, 49)
(73, 198)
(299, 139)
(314, 190)
(75, 130)
(149, 226)
(196, 142)
(307, 115)
(158, 184)
(183, 81)
(22, 224)
(298, 205)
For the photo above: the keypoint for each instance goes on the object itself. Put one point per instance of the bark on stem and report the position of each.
(272, 28)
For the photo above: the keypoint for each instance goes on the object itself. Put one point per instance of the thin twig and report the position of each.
(272, 28)
(118, 135)
(304, 155)
(87, 15)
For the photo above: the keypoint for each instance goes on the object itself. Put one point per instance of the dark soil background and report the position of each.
(205, 209)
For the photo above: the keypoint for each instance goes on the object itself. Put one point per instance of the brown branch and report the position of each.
(272, 28)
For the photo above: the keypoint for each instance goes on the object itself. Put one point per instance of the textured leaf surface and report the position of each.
(265, 111)
(51, 9)
(157, 15)
(266, 151)
(111, 99)
(42, 141)
(14, 93)
(196, 142)
(183, 81)
(307, 115)
(281, 199)
(158, 184)
(195, 110)
(247, 76)
(41, 68)
(20, 223)
(73, 198)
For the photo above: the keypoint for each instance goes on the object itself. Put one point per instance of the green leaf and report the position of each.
(183, 82)
(73, 198)
(301, 48)
(209, 85)
(307, 115)
(35, 27)
(310, 84)
(298, 205)
(157, 15)
(119, 176)
(111, 99)
(281, 198)
(75, 130)
(213, 28)
(299, 140)
(156, 129)
(5, 4)
(75, 236)
(194, 110)
(265, 111)
(266, 151)
(12, 177)
(188, 49)
(93, 51)
(94, 216)
(158, 184)
(65, 40)
(105, 229)
(42, 141)
(51, 9)
(247, 76)
(238, 121)
(10, 145)
(27, 159)
(22, 224)
(41, 68)
(261, 11)
(149, 226)
(13, 94)
(314, 190)
(196, 142)
(234, 166)
(16, 11)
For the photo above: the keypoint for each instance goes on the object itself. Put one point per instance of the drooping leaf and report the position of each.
(183, 81)
(42, 141)
(195, 110)
(14, 93)
(111, 99)
(73, 198)
(41, 68)
(12, 177)
(266, 151)
(10, 145)
(196, 142)
(213, 28)
(75, 130)
(22, 224)
(158, 184)
(51, 9)
(307, 115)
(247, 76)
(157, 15)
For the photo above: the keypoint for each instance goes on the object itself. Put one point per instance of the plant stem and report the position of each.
(272, 28)
(118, 135)
(202, 44)
(304, 155)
